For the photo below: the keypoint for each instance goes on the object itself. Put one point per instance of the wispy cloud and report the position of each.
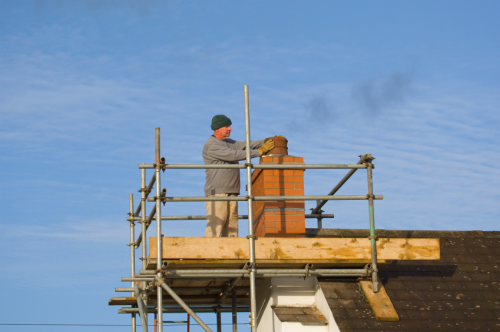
(136, 7)
(72, 230)
(375, 95)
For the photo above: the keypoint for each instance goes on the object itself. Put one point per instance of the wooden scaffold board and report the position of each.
(305, 249)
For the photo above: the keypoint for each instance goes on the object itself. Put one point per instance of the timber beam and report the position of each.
(306, 249)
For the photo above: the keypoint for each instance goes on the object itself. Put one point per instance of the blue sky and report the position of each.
(83, 84)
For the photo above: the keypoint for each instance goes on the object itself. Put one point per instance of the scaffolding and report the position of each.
(213, 283)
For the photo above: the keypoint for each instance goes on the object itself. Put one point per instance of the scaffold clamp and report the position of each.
(163, 166)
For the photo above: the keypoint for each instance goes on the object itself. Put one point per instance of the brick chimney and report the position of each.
(279, 218)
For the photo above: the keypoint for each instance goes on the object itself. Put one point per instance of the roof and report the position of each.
(461, 292)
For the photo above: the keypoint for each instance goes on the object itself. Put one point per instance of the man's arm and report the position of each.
(224, 153)
(241, 145)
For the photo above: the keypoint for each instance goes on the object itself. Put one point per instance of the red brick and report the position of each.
(300, 224)
(290, 224)
(269, 185)
(293, 179)
(272, 192)
(256, 174)
(272, 179)
(296, 230)
(274, 217)
(294, 192)
(274, 205)
(296, 217)
(299, 185)
(284, 185)
(269, 224)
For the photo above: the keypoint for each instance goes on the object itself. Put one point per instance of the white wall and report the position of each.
(322, 305)
(293, 292)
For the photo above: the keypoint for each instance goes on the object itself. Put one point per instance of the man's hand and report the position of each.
(266, 147)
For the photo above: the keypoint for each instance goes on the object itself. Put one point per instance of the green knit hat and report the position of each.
(220, 121)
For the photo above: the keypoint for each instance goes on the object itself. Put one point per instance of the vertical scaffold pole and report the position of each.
(143, 219)
(159, 260)
(219, 320)
(132, 250)
(143, 235)
(369, 167)
(234, 315)
(251, 237)
(320, 220)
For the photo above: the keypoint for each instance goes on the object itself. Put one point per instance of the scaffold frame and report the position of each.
(146, 281)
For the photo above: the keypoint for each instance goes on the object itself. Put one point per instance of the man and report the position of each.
(222, 216)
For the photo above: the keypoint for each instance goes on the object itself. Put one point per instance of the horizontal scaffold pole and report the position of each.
(235, 273)
(179, 310)
(188, 289)
(262, 271)
(256, 166)
(202, 217)
(268, 198)
(222, 276)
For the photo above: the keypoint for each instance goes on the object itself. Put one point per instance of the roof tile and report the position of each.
(341, 303)
(484, 276)
(460, 292)
(489, 295)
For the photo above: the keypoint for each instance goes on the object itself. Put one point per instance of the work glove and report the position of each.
(266, 147)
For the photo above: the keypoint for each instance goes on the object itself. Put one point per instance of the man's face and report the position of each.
(223, 132)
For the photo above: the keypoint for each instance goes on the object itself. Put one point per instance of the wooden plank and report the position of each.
(122, 301)
(296, 248)
(379, 302)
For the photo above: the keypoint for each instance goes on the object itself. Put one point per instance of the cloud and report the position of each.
(137, 7)
(370, 97)
(73, 231)
(373, 96)
(319, 109)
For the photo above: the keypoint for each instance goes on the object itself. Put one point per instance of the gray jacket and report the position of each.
(217, 151)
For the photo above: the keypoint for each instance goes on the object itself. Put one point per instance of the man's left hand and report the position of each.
(266, 147)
